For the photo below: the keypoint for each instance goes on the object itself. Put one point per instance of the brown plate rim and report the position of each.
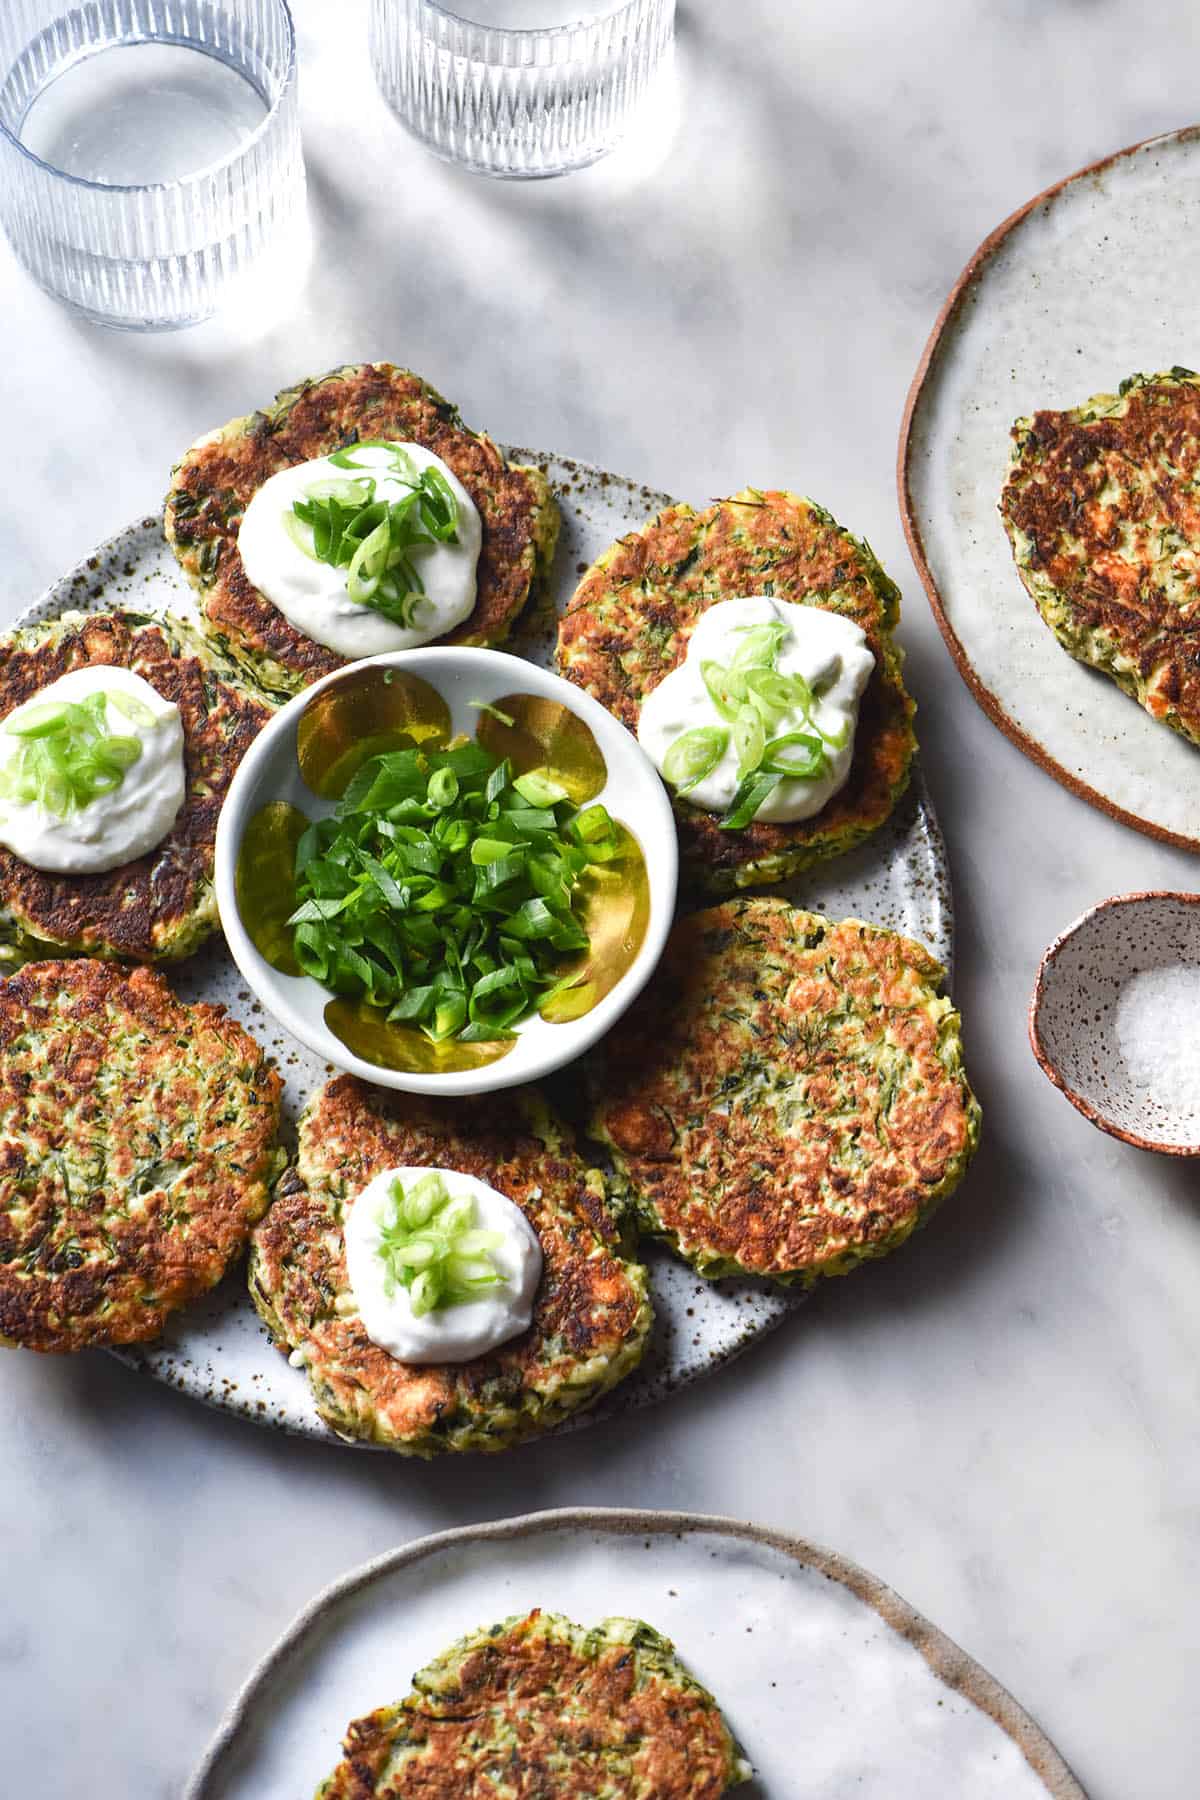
(912, 530)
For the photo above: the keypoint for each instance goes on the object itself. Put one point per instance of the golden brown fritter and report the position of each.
(540, 1709)
(628, 626)
(787, 1097)
(137, 1144)
(591, 1316)
(1102, 507)
(163, 905)
(218, 476)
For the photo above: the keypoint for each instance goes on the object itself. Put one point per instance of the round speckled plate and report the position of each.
(218, 1351)
(826, 1677)
(1090, 282)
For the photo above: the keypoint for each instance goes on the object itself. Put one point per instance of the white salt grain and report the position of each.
(1158, 1031)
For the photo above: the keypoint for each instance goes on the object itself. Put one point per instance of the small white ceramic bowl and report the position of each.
(1110, 1002)
(634, 794)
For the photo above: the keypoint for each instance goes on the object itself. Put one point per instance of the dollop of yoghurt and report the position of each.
(313, 595)
(449, 1334)
(113, 828)
(828, 650)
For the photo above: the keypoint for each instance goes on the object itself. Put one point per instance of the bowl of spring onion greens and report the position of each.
(461, 914)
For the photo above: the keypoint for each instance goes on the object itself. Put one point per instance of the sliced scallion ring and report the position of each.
(368, 564)
(805, 767)
(130, 705)
(778, 693)
(693, 755)
(66, 755)
(40, 721)
(443, 788)
(302, 535)
(537, 787)
(726, 690)
(760, 645)
(749, 739)
(347, 493)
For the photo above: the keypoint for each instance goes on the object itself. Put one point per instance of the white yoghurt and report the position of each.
(828, 650)
(450, 1334)
(313, 595)
(113, 828)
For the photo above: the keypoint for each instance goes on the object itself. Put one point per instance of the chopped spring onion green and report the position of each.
(432, 1247)
(538, 788)
(751, 793)
(485, 706)
(447, 892)
(341, 522)
(749, 740)
(803, 767)
(775, 694)
(753, 697)
(67, 756)
(760, 645)
(693, 755)
(726, 689)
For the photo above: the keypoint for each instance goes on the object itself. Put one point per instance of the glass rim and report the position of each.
(583, 23)
(287, 83)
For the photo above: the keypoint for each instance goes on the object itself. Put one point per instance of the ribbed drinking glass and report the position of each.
(520, 87)
(149, 151)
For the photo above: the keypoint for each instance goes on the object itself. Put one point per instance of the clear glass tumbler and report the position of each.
(149, 150)
(520, 87)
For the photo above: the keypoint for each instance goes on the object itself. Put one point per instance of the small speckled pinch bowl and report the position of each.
(464, 678)
(1073, 1015)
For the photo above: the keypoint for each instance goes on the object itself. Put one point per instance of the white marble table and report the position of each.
(1002, 1420)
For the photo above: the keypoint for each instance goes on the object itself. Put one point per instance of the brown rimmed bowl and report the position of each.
(1073, 1014)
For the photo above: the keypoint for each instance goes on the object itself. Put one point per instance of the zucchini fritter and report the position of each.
(137, 1145)
(628, 626)
(539, 1707)
(591, 1316)
(1102, 508)
(216, 479)
(163, 905)
(787, 1097)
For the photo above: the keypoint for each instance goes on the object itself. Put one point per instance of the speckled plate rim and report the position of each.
(949, 1663)
(1044, 1060)
(926, 368)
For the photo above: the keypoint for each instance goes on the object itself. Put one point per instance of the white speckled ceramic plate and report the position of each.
(217, 1351)
(1094, 280)
(830, 1682)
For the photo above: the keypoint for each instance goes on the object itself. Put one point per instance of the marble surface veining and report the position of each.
(1001, 1421)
